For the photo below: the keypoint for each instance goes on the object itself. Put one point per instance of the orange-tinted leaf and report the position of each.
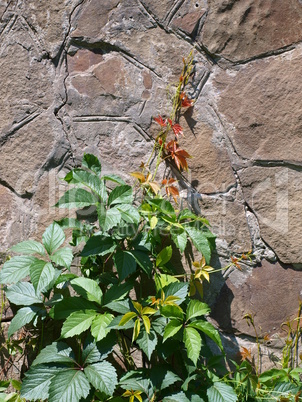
(245, 353)
(159, 120)
(185, 101)
(177, 130)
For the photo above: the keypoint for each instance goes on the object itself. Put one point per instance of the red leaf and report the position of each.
(160, 121)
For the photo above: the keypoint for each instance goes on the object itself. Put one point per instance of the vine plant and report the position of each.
(128, 327)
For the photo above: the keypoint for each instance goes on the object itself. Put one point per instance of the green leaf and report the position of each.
(121, 195)
(114, 178)
(70, 223)
(87, 288)
(63, 257)
(68, 385)
(57, 352)
(22, 293)
(147, 342)
(162, 378)
(164, 206)
(76, 198)
(36, 383)
(196, 309)
(192, 342)
(91, 162)
(99, 326)
(24, 316)
(69, 305)
(29, 247)
(179, 237)
(221, 392)
(207, 328)
(201, 242)
(102, 376)
(111, 218)
(163, 280)
(119, 306)
(125, 263)
(143, 260)
(77, 322)
(129, 213)
(186, 214)
(89, 180)
(42, 275)
(95, 352)
(117, 292)
(133, 380)
(98, 245)
(180, 397)
(285, 389)
(16, 269)
(53, 237)
(179, 289)
(164, 256)
(172, 311)
(171, 329)
(272, 375)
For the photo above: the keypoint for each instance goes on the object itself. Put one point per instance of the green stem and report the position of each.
(158, 161)
(297, 335)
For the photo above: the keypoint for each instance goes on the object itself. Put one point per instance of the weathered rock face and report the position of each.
(261, 297)
(268, 84)
(89, 75)
(239, 30)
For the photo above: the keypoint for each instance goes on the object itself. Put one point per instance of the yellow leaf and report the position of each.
(148, 310)
(138, 307)
(127, 317)
(153, 222)
(139, 176)
(146, 322)
(137, 396)
(171, 300)
(137, 327)
(206, 275)
(154, 187)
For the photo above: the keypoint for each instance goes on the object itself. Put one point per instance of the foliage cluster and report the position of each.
(126, 326)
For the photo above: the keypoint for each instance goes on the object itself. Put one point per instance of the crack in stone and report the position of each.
(9, 25)
(108, 47)
(261, 249)
(6, 8)
(294, 165)
(89, 118)
(173, 11)
(62, 61)
(153, 18)
(27, 195)
(17, 126)
(201, 84)
(265, 55)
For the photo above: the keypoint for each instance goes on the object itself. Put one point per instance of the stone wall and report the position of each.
(88, 75)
